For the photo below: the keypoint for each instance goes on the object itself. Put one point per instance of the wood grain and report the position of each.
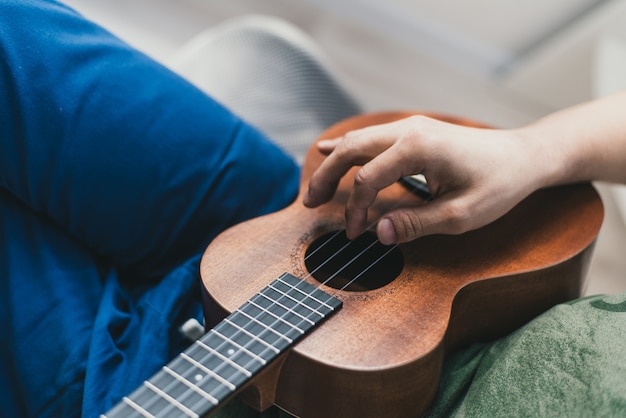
(382, 354)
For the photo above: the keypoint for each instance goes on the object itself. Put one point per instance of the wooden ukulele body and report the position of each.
(382, 354)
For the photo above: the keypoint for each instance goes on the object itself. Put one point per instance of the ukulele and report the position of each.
(300, 317)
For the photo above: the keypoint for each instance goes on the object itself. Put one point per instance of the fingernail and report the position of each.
(306, 199)
(386, 234)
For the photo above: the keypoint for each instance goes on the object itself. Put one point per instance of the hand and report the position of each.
(474, 175)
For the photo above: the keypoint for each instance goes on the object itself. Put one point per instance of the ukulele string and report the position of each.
(209, 351)
(418, 187)
(352, 260)
(412, 188)
(192, 378)
(363, 271)
(214, 373)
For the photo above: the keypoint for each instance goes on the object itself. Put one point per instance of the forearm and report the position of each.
(581, 143)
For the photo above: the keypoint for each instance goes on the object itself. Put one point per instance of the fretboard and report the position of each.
(217, 365)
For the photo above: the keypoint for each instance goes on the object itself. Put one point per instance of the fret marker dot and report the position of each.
(197, 377)
(230, 351)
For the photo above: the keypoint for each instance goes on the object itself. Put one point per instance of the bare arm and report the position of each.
(475, 175)
(587, 140)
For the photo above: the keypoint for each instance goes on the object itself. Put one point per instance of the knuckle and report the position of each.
(346, 147)
(349, 139)
(362, 176)
(418, 123)
(350, 135)
(457, 217)
(417, 120)
(415, 132)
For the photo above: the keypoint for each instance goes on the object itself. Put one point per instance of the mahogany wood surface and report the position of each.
(381, 355)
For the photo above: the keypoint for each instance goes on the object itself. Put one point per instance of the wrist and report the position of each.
(555, 155)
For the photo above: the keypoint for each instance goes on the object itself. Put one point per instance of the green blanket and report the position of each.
(569, 362)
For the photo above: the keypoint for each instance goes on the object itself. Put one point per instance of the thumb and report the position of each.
(437, 217)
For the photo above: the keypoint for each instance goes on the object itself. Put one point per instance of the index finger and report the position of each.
(381, 172)
(355, 148)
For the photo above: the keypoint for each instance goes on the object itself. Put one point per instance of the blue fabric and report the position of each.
(115, 174)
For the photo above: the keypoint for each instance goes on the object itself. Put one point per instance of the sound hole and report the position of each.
(358, 265)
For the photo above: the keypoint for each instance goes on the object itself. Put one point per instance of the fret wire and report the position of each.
(218, 378)
(182, 367)
(275, 323)
(285, 279)
(230, 347)
(219, 387)
(237, 337)
(309, 305)
(211, 351)
(278, 318)
(217, 354)
(287, 308)
(298, 301)
(239, 347)
(237, 367)
(137, 408)
(309, 301)
(171, 400)
(207, 371)
(310, 295)
(169, 384)
(226, 359)
(191, 386)
(277, 340)
(325, 309)
(245, 331)
(267, 328)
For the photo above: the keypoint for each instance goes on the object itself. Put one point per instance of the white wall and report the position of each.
(479, 35)
(542, 50)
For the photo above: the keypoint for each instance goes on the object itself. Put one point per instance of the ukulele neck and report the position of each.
(218, 364)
